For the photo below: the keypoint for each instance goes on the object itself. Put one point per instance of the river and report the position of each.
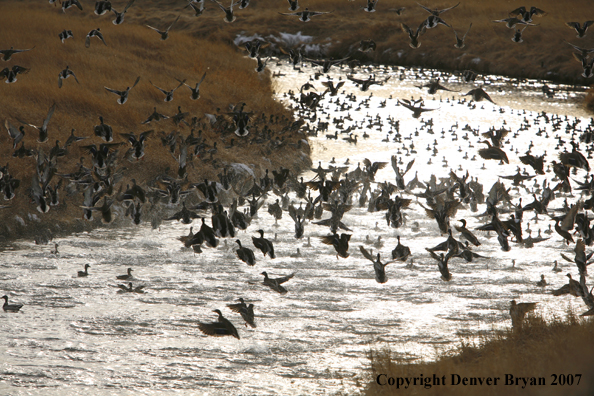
(80, 336)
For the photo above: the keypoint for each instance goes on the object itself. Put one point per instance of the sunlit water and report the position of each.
(79, 336)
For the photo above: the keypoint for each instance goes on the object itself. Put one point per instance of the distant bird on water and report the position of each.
(10, 307)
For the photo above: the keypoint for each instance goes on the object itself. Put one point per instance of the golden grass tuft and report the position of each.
(131, 51)
(540, 349)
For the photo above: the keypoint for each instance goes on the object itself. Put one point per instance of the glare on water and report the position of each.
(79, 334)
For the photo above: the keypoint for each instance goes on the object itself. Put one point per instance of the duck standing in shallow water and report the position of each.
(10, 307)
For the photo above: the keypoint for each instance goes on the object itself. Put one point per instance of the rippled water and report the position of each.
(79, 336)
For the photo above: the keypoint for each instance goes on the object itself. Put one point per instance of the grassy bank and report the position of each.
(542, 348)
(544, 53)
(131, 51)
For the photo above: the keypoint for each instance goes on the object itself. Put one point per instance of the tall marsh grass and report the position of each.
(541, 348)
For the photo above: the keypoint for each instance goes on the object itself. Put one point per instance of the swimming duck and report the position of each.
(127, 276)
(276, 283)
(542, 282)
(123, 95)
(219, 329)
(10, 307)
(165, 33)
(246, 312)
(130, 289)
(84, 273)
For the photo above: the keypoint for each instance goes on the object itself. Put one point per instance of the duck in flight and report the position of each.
(223, 327)
(164, 33)
(123, 95)
(168, 94)
(7, 54)
(305, 16)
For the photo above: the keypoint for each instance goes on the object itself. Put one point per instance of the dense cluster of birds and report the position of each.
(333, 190)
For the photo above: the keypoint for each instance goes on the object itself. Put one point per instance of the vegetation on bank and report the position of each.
(552, 349)
(131, 51)
(543, 54)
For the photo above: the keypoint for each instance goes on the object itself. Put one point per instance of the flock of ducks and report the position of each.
(337, 187)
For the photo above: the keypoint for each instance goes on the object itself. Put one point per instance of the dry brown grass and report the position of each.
(543, 54)
(131, 51)
(540, 349)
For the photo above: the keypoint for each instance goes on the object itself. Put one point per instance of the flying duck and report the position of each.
(305, 16)
(123, 95)
(219, 329)
(246, 312)
(276, 283)
(64, 74)
(164, 34)
(94, 33)
(119, 16)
